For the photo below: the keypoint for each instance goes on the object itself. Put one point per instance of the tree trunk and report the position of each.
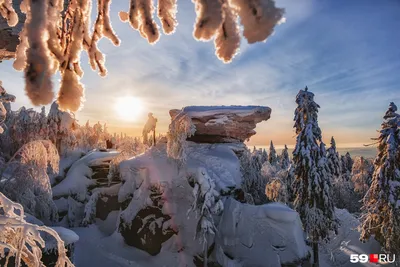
(154, 137)
(316, 256)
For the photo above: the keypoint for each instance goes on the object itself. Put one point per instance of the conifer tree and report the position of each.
(285, 161)
(361, 175)
(272, 158)
(312, 182)
(264, 156)
(381, 205)
(346, 165)
(334, 163)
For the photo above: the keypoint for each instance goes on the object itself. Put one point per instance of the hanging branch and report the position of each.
(53, 41)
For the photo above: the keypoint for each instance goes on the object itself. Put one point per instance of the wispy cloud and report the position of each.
(346, 52)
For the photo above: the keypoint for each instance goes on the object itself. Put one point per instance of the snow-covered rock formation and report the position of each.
(191, 210)
(224, 124)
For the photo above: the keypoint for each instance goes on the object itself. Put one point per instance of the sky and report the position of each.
(346, 52)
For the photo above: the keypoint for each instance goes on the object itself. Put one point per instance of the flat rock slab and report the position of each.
(224, 124)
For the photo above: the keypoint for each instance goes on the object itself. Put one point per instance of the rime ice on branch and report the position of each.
(23, 240)
(54, 41)
(4, 97)
(381, 204)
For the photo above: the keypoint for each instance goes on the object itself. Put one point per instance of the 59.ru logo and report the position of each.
(373, 258)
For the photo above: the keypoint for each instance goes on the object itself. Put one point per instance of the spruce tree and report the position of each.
(264, 156)
(381, 205)
(346, 165)
(272, 158)
(285, 161)
(334, 163)
(361, 175)
(312, 190)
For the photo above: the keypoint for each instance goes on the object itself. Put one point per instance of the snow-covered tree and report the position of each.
(253, 183)
(312, 179)
(28, 182)
(264, 156)
(285, 160)
(206, 204)
(150, 126)
(272, 157)
(276, 191)
(346, 165)
(381, 205)
(54, 39)
(361, 175)
(128, 148)
(334, 162)
(180, 129)
(343, 195)
(4, 98)
(61, 128)
(22, 240)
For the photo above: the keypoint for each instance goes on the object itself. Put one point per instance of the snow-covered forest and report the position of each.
(76, 194)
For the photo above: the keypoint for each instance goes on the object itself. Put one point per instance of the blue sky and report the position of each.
(347, 52)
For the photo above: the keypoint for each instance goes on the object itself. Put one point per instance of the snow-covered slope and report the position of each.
(337, 251)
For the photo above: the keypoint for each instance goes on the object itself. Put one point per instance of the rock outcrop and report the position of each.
(224, 124)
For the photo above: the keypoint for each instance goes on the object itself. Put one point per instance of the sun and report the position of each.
(128, 108)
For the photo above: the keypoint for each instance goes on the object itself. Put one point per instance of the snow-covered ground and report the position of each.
(337, 251)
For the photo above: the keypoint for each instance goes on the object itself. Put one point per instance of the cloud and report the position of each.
(339, 49)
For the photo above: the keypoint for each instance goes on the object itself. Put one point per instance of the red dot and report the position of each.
(374, 258)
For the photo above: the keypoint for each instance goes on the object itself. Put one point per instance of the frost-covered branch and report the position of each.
(7, 11)
(180, 129)
(4, 98)
(53, 41)
(206, 204)
(22, 240)
(28, 181)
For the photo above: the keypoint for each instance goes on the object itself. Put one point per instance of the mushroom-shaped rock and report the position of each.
(224, 124)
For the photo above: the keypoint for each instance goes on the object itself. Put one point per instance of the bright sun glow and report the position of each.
(129, 108)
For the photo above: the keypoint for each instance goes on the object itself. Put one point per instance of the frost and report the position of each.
(54, 41)
(180, 129)
(28, 182)
(22, 239)
(381, 216)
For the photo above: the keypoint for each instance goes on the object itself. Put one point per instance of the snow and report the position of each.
(68, 160)
(337, 251)
(78, 176)
(242, 111)
(219, 160)
(97, 249)
(266, 227)
(66, 235)
(255, 235)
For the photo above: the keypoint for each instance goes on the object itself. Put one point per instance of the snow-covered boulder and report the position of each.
(265, 235)
(72, 193)
(224, 124)
(158, 215)
(78, 178)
